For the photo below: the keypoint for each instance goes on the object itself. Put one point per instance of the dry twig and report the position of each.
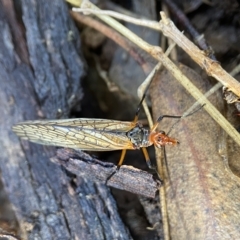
(127, 178)
(212, 67)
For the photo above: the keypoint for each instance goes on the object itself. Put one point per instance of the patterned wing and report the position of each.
(84, 134)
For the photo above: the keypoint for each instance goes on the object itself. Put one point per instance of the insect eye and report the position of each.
(159, 139)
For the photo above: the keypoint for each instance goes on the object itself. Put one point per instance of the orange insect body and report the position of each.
(160, 139)
(141, 137)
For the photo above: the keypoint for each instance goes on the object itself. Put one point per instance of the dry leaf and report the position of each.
(202, 193)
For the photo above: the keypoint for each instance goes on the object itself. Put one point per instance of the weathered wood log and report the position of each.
(126, 178)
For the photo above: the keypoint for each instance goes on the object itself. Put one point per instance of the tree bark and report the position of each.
(40, 72)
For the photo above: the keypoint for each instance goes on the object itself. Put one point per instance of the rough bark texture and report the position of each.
(40, 66)
(126, 178)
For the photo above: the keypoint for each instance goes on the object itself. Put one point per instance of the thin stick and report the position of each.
(211, 67)
(168, 28)
(141, 90)
(115, 36)
(207, 63)
(234, 72)
(145, 84)
(179, 14)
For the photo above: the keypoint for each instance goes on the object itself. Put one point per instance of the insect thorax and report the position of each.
(139, 137)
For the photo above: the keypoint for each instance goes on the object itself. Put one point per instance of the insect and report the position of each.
(96, 134)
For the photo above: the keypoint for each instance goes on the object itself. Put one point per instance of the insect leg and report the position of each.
(118, 166)
(122, 158)
(148, 161)
(147, 158)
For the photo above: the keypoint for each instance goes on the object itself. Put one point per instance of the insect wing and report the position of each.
(84, 134)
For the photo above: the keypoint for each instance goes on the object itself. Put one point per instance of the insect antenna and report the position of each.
(183, 116)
